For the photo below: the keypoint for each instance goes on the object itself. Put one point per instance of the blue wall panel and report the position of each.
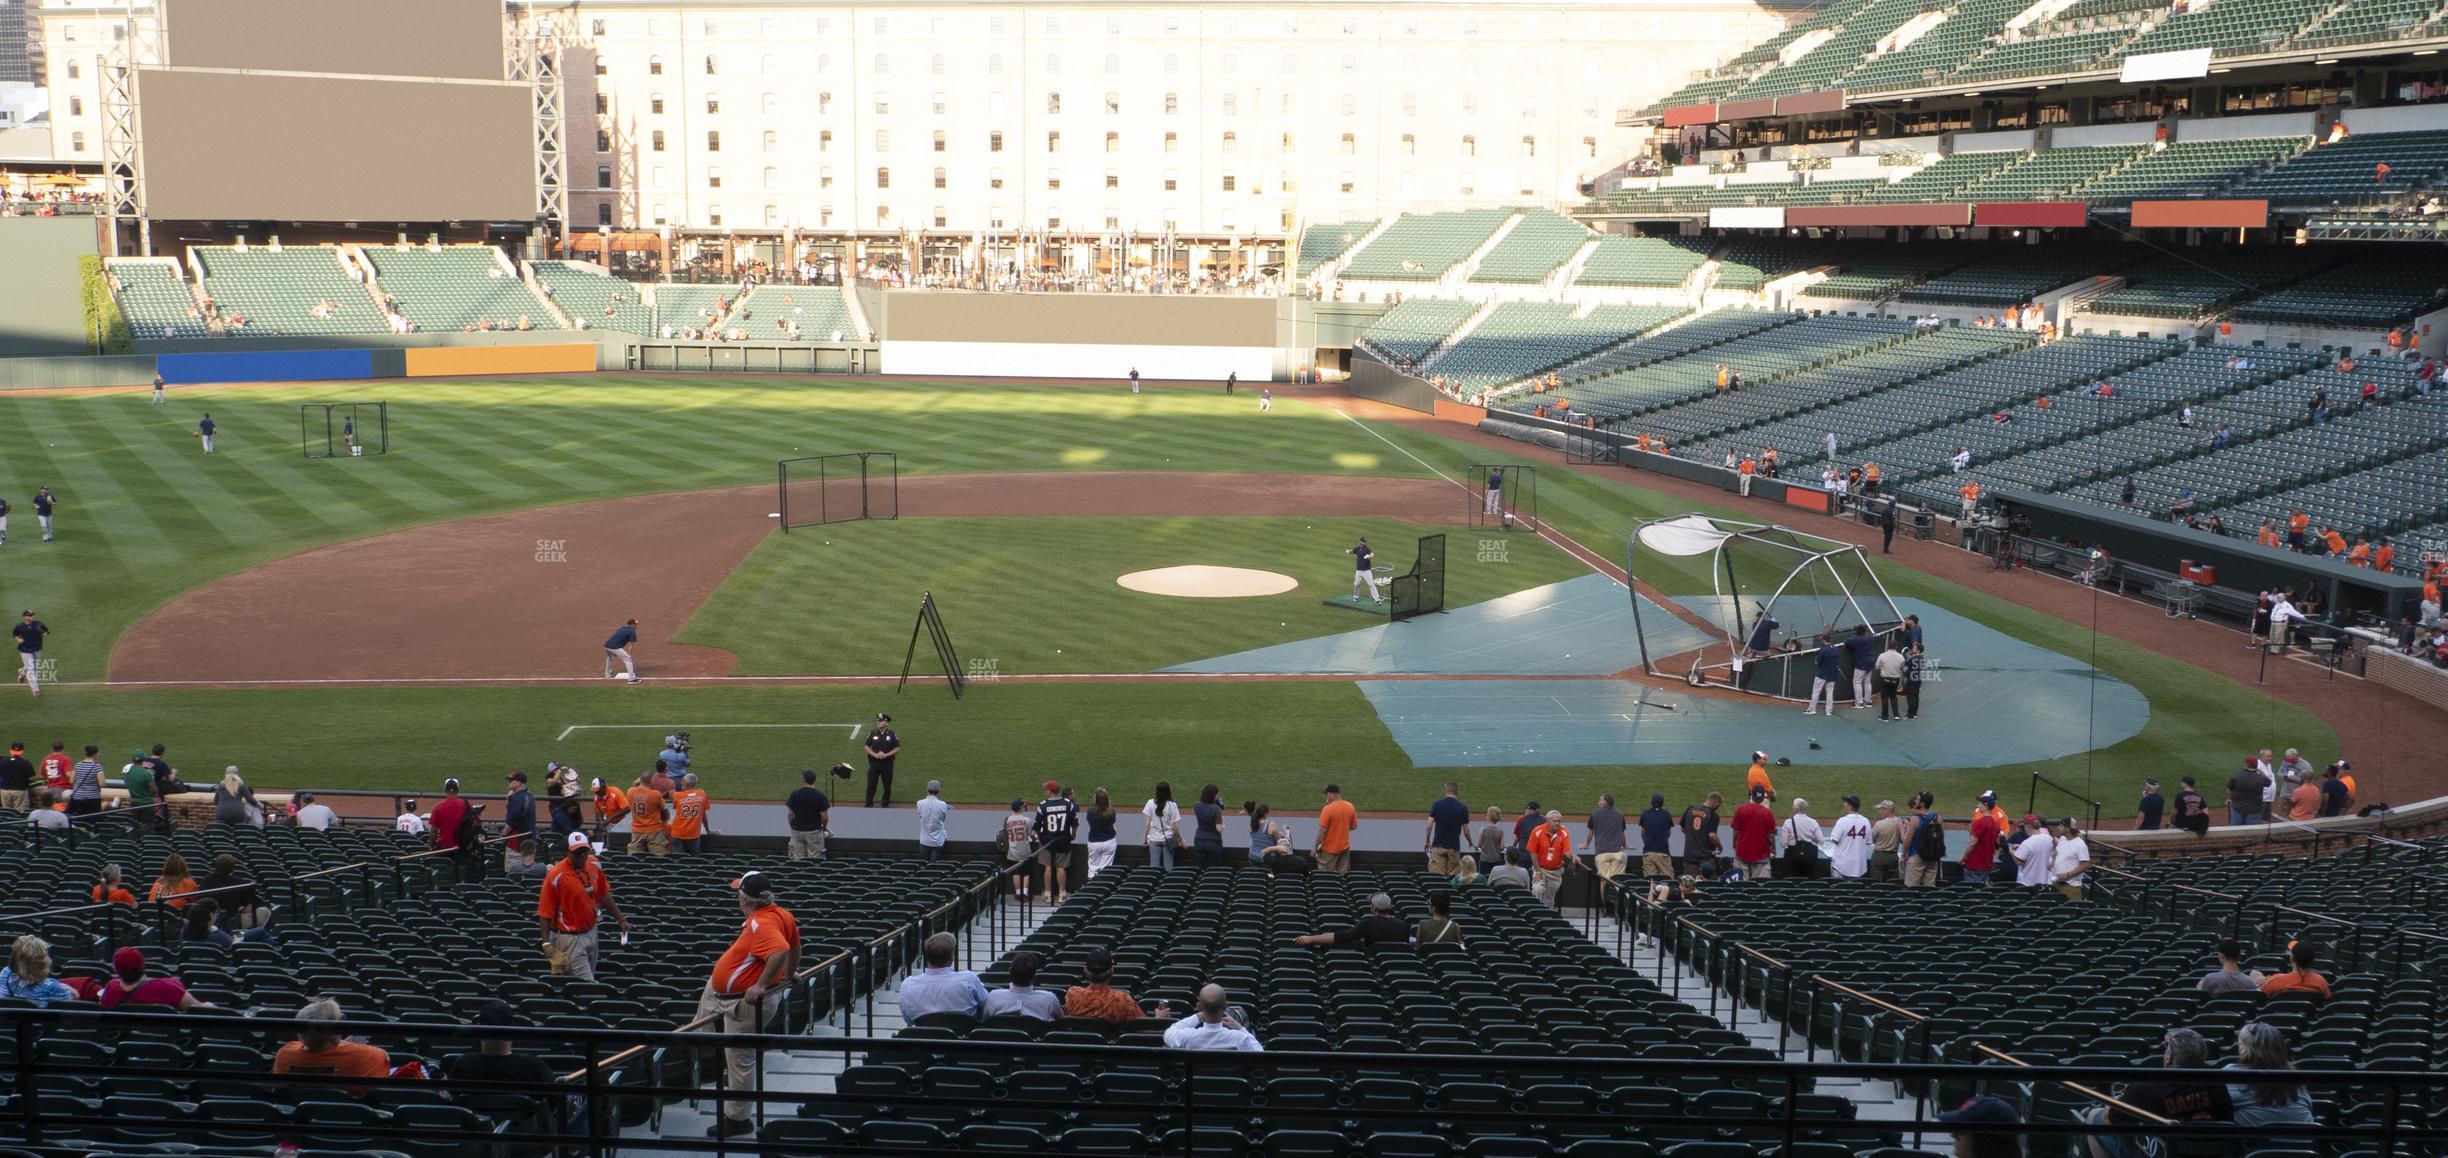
(267, 366)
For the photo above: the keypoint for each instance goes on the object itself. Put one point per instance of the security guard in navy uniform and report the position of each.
(882, 747)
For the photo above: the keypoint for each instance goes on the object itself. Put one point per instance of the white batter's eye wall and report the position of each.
(1083, 336)
(1114, 362)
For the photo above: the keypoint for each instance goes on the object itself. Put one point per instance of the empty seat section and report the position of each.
(156, 300)
(2019, 273)
(290, 290)
(1422, 247)
(1536, 246)
(1320, 244)
(456, 287)
(2348, 172)
(1633, 261)
(1406, 334)
(1524, 338)
(597, 299)
(782, 313)
(2193, 168)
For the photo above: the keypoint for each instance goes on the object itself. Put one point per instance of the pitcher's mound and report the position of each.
(1201, 582)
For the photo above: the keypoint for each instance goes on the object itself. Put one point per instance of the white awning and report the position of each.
(1689, 535)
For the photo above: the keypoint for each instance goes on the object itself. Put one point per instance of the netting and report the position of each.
(1762, 594)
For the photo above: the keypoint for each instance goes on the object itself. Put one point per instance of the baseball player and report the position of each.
(1266, 400)
(1495, 490)
(616, 649)
(4, 512)
(1364, 573)
(1134, 379)
(157, 390)
(43, 502)
(204, 430)
(29, 634)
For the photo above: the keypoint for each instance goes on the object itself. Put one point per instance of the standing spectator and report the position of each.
(2178, 1101)
(1916, 662)
(759, 959)
(1863, 651)
(2036, 854)
(447, 816)
(1103, 841)
(2244, 791)
(1926, 849)
(942, 987)
(1657, 834)
(2070, 859)
(1756, 777)
(143, 802)
(883, 747)
(1335, 823)
(1754, 835)
(314, 814)
(1057, 824)
(1550, 847)
(1095, 997)
(1801, 841)
(16, 778)
(1015, 841)
(320, 1051)
(1207, 828)
(933, 816)
(1887, 844)
(1446, 820)
(811, 811)
(518, 812)
(649, 818)
(566, 907)
(1849, 843)
(2230, 976)
(1213, 1026)
(1980, 856)
(692, 812)
(675, 754)
(1162, 833)
(85, 790)
(561, 787)
(1606, 838)
(2192, 811)
(2333, 792)
(611, 803)
(1021, 996)
(409, 822)
(2262, 1046)
(2305, 803)
(2149, 813)
(1491, 841)
(129, 986)
(2299, 974)
(1700, 847)
(28, 975)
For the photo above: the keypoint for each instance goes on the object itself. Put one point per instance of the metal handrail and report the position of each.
(2082, 1089)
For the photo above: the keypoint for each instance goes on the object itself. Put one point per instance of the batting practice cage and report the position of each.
(1771, 592)
(838, 488)
(1501, 496)
(344, 429)
(1423, 589)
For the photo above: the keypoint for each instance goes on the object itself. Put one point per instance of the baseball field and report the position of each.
(439, 610)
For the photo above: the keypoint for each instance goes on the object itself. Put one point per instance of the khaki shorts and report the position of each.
(1754, 870)
(1610, 865)
(1444, 862)
(581, 950)
(1052, 857)
(1657, 865)
(1919, 872)
(14, 801)
(1338, 863)
(650, 843)
(807, 845)
(2072, 892)
(1883, 865)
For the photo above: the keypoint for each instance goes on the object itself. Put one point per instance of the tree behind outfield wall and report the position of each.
(106, 328)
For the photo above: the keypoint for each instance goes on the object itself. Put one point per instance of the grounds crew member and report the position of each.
(573, 890)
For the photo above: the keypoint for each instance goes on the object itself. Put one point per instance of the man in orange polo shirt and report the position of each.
(688, 821)
(1550, 848)
(1335, 822)
(1756, 778)
(649, 820)
(573, 890)
(756, 964)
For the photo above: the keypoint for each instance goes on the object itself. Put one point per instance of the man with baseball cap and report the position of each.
(2036, 854)
(1335, 823)
(1754, 834)
(29, 634)
(610, 805)
(1980, 856)
(758, 962)
(518, 812)
(882, 748)
(1985, 1110)
(447, 816)
(573, 890)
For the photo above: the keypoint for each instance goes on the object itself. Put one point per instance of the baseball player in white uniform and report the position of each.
(1364, 572)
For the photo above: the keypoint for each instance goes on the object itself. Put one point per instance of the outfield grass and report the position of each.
(1038, 595)
(145, 517)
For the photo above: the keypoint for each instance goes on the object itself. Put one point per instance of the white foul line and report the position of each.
(1566, 545)
(565, 732)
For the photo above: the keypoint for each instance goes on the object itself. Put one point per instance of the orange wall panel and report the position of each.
(442, 361)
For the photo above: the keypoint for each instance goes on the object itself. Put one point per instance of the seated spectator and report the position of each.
(1095, 997)
(239, 909)
(1380, 927)
(2262, 1046)
(942, 988)
(325, 1052)
(1440, 928)
(27, 977)
(172, 887)
(1512, 871)
(45, 814)
(1212, 1027)
(493, 1061)
(2177, 1101)
(1985, 1110)
(1022, 996)
(313, 814)
(129, 988)
(1468, 874)
(203, 926)
(2299, 976)
(109, 888)
(2230, 976)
